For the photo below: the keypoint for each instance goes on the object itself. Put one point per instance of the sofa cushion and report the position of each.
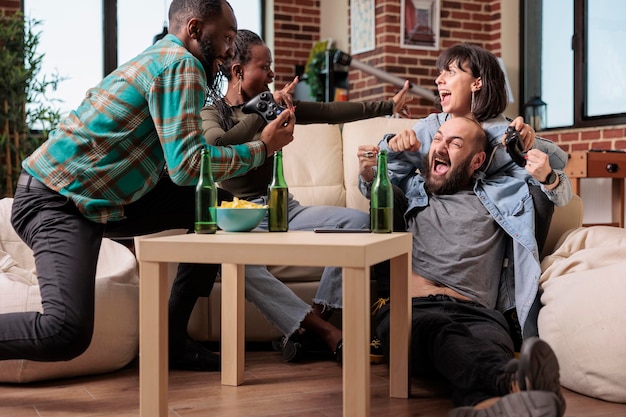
(364, 132)
(313, 165)
(583, 317)
(116, 336)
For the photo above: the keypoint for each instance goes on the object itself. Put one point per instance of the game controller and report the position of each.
(515, 146)
(265, 106)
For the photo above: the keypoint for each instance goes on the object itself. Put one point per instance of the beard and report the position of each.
(208, 63)
(455, 179)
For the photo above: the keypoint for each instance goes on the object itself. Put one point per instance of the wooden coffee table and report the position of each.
(355, 253)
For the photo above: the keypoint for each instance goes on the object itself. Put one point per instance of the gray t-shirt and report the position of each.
(457, 243)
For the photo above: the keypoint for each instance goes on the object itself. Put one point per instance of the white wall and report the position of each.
(510, 50)
(334, 22)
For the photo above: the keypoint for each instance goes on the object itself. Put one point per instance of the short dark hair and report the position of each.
(490, 101)
(182, 10)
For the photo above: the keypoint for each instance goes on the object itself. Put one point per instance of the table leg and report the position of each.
(400, 327)
(153, 356)
(356, 342)
(233, 324)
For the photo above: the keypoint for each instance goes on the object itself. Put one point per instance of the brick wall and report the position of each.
(10, 6)
(296, 29)
(607, 137)
(297, 24)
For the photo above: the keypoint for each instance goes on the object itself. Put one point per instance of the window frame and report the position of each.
(530, 15)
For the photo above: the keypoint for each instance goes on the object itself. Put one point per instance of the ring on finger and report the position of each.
(368, 154)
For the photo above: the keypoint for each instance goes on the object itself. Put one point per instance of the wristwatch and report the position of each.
(550, 179)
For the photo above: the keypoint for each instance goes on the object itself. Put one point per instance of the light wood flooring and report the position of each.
(272, 388)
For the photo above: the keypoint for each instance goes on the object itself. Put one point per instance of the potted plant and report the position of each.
(23, 102)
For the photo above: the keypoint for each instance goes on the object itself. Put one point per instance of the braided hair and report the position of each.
(242, 47)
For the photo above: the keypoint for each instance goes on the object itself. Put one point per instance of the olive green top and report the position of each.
(248, 127)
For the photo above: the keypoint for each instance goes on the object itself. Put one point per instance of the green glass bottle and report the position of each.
(206, 197)
(277, 196)
(381, 200)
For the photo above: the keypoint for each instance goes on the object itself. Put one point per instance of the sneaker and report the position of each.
(537, 369)
(519, 404)
(376, 351)
(293, 349)
(277, 344)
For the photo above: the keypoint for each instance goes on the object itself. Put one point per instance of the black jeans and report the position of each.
(461, 341)
(66, 246)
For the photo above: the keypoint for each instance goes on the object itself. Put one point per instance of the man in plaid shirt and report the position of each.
(125, 162)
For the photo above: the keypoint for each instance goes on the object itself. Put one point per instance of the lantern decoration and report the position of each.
(536, 113)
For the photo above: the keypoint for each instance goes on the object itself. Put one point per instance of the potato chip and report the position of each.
(237, 203)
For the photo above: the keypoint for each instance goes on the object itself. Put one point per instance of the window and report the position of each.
(75, 46)
(71, 41)
(574, 57)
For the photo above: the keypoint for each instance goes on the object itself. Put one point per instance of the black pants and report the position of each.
(461, 341)
(66, 247)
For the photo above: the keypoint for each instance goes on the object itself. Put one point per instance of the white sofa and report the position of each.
(321, 168)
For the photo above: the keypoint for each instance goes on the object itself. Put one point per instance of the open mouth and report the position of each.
(440, 166)
(444, 95)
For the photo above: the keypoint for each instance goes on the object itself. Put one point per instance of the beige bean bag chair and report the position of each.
(116, 336)
(583, 318)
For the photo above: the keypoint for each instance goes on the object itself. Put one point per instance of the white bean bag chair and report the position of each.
(115, 339)
(583, 318)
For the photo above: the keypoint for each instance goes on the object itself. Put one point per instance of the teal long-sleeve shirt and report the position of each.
(145, 115)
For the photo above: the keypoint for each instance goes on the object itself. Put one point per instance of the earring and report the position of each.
(472, 103)
(238, 84)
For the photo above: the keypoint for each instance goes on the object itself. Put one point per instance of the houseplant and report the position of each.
(23, 102)
(315, 69)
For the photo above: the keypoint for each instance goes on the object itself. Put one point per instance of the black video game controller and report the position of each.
(515, 146)
(265, 106)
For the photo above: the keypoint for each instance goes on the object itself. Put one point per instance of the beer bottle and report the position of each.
(277, 194)
(381, 200)
(206, 197)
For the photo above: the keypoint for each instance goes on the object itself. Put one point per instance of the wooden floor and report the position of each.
(272, 388)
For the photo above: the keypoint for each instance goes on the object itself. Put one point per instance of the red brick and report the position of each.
(590, 134)
(613, 133)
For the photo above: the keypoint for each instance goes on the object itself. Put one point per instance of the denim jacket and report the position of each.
(502, 187)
